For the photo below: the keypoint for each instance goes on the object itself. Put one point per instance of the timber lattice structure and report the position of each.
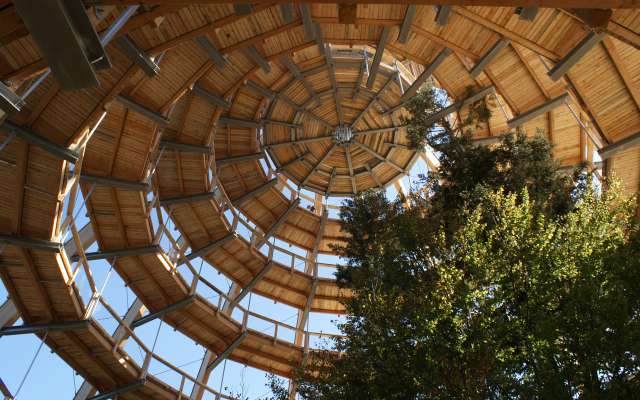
(214, 115)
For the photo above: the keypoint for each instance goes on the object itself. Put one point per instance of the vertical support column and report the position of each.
(318, 204)
(204, 372)
(303, 315)
(120, 335)
(299, 337)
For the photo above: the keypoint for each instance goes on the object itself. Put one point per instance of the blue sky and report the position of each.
(51, 377)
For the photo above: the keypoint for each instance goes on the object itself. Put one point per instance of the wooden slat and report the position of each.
(375, 65)
(405, 28)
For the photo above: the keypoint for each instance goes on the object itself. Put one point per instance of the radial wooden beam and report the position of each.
(405, 28)
(356, 89)
(191, 198)
(245, 123)
(378, 156)
(142, 110)
(299, 141)
(332, 75)
(252, 283)
(378, 130)
(294, 161)
(115, 183)
(40, 141)
(318, 164)
(212, 52)
(119, 253)
(255, 192)
(203, 251)
(295, 71)
(164, 311)
(621, 145)
(237, 159)
(373, 101)
(281, 123)
(48, 327)
(282, 219)
(580, 50)
(210, 97)
(539, 110)
(320, 67)
(232, 346)
(137, 55)
(28, 243)
(488, 57)
(256, 87)
(377, 59)
(280, 96)
(258, 58)
(428, 71)
(307, 22)
(185, 147)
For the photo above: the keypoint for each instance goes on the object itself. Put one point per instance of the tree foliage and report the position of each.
(502, 278)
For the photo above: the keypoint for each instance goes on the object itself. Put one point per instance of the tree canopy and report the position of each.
(499, 277)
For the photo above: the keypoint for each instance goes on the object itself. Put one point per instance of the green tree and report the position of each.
(502, 279)
(514, 305)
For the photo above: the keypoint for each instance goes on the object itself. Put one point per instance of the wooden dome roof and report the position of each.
(337, 142)
(212, 115)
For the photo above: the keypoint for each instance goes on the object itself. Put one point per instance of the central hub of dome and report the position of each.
(343, 135)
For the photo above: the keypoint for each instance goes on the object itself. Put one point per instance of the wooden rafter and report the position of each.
(488, 57)
(514, 37)
(318, 164)
(378, 156)
(373, 176)
(347, 154)
(405, 28)
(294, 161)
(621, 67)
(334, 85)
(377, 59)
(373, 101)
